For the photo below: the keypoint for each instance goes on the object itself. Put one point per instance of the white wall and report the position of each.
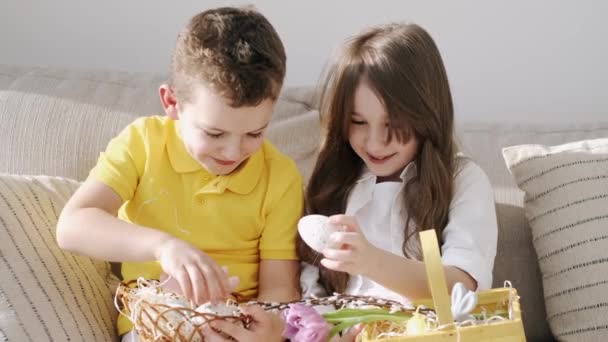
(518, 60)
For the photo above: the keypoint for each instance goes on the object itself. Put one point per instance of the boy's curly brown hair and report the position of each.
(235, 51)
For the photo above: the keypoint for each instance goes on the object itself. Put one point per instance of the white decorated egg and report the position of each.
(315, 231)
(221, 309)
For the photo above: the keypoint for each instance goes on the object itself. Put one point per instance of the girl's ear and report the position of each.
(167, 99)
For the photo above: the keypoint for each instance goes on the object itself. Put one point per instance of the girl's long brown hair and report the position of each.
(403, 65)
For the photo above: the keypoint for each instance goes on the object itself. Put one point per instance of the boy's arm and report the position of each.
(278, 280)
(279, 271)
(88, 225)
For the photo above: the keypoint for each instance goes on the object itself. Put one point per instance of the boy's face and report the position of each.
(218, 136)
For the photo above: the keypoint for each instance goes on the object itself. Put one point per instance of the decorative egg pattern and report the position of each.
(315, 231)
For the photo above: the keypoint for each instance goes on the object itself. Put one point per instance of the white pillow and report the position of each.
(47, 294)
(566, 204)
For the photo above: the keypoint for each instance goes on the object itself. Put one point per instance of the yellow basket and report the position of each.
(510, 330)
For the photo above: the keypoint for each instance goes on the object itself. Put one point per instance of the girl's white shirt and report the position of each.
(469, 239)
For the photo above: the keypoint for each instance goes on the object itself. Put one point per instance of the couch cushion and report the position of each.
(566, 204)
(56, 122)
(516, 258)
(47, 294)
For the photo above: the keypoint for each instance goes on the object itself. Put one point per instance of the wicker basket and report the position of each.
(162, 322)
(509, 330)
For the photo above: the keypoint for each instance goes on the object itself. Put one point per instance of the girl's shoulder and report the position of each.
(470, 175)
(465, 165)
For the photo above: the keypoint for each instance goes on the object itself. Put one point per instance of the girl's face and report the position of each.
(219, 136)
(368, 136)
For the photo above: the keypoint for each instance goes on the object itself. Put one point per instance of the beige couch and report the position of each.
(54, 122)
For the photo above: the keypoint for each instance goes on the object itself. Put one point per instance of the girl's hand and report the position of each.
(266, 326)
(350, 335)
(199, 277)
(349, 251)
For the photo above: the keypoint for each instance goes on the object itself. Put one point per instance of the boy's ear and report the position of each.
(167, 99)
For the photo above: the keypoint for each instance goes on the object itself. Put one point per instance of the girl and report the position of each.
(389, 162)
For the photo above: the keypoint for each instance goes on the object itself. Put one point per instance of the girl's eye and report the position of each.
(357, 122)
(214, 135)
(255, 135)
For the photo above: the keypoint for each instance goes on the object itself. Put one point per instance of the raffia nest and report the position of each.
(163, 316)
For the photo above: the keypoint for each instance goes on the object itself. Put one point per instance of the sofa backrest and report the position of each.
(56, 122)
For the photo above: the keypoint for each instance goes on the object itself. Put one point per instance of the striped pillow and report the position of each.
(47, 294)
(566, 203)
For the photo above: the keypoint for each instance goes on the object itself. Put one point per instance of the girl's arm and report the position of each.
(352, 253)
(408, 277)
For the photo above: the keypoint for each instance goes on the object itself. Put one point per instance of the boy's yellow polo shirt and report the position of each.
(237, 219)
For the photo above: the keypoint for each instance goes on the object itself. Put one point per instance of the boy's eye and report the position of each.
(255, 135)
(214, 135)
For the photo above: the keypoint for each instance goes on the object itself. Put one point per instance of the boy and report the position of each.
(199, 194)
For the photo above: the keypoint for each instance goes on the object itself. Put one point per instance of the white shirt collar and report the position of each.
(408, 172)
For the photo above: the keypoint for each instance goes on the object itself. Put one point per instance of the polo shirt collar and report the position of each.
(246, 178)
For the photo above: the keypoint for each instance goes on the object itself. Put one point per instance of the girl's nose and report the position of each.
(376, 141)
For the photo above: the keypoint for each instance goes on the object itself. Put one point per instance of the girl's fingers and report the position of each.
(258, 314)
(254, 311)
(339, 239)
(212, 336)
(338, 254)
(349, 222)
(336, 265)
(231, 329)
(351, 334)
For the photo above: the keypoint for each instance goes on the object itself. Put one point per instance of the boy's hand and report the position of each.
(348, 250)
(198, 275)
(266, 326)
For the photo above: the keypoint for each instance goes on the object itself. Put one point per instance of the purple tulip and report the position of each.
(316, 332)
(304, 324)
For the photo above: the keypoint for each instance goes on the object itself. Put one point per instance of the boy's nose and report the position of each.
(232, 152)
